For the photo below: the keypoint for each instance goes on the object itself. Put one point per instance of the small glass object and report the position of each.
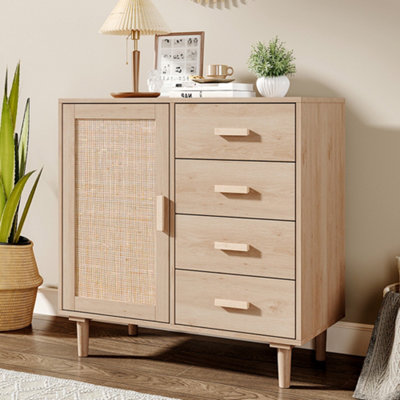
(154, 81)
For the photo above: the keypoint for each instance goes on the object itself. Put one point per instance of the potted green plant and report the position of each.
(19, 277)
(272, 64)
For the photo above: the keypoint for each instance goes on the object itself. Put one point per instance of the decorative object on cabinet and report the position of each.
(18, 270)
(133, 18)
(272, 65)
(226, 227)
(219, 71)
(178, 56)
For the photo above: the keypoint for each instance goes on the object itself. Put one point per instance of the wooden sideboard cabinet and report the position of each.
(220, 217)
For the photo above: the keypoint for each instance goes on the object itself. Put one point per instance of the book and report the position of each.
(189, 94)
(215, 86)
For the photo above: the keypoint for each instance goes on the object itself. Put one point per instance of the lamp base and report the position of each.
(125, 95)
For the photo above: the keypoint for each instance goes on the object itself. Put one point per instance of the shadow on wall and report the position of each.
(372, 206)
(223, 4)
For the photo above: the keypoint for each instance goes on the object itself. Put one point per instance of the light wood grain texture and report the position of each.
(271, 246)
(271, 128)
(320, 217)
(227, 303)
(162, 188)
(232, 231)
(67, 250)
(132, 330)
(284, 356)
(271, 195)
(165, 100)
(82, 333)
(117, 111)
(271, 310)
(242, 247)
(161, 213)
(231, 131)
(320, 347)
(160, 114)
(231, 189)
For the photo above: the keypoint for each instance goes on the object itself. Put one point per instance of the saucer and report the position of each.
(212, 80)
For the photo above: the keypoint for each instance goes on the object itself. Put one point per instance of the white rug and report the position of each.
(21, 386)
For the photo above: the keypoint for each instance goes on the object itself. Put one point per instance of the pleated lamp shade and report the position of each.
(134, 15)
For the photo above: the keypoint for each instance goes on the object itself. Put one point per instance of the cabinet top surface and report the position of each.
(168, 100)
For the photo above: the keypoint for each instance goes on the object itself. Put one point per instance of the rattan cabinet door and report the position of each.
(115, 183)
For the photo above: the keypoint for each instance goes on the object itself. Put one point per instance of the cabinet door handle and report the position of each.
(240, 305)
(160, 217)
(231, 246)
(231, 189)
(231, 132)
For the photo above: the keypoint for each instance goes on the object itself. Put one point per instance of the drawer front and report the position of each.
(235, 245)
(236, 188)
(236, 131)
(236, 303)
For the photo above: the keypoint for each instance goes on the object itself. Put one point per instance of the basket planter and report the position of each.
(19, 280)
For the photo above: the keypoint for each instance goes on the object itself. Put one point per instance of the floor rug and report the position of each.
(22, 386)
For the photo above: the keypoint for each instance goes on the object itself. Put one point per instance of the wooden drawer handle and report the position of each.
(231, 189)
(231, 246)
(240, 305)
(231, 132)
(160, 218)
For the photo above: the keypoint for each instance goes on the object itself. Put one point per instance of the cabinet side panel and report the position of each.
(320, 211)
(67, 141)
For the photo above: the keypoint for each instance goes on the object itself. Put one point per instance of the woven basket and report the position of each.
(19, 280)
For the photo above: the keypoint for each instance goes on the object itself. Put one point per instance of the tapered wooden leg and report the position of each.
(132, 330)
(284, 364)
(320, 347)
(82, 331)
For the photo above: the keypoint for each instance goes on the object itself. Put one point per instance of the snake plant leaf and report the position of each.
(14, 95)
(2, 196)
(24, 139)
(7, 158)
(26, 209)
(11, 208)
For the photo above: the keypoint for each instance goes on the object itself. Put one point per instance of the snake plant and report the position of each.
(13, 155)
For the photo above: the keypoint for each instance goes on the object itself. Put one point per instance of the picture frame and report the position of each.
(178, 56)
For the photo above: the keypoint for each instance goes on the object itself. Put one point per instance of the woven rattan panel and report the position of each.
(115, 186)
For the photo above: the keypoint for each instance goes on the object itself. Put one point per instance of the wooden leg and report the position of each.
(82, 331)
(132, 330)
(320, 347)
(284, 364)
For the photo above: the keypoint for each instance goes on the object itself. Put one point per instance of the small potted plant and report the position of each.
(19, 277)
(272, 64)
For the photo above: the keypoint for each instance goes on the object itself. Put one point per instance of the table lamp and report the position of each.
(133, 18)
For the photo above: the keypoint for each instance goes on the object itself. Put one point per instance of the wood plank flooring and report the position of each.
(186, 367)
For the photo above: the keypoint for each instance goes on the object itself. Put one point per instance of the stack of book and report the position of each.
(201, 90)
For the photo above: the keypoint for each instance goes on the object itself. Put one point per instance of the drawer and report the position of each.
(236, 188)
(236, 303)
(235, 245)
(236, 131)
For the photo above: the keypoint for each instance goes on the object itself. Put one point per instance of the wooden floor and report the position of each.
(173, 364)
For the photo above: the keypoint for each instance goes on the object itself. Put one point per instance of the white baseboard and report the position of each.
(343, 337)
(347, 338)
(46, 301)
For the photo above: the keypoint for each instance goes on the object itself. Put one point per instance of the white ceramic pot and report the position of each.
(276, 86)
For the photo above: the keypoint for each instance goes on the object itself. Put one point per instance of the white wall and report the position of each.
(346, 48)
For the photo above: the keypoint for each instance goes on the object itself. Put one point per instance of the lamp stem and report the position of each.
(135, 59)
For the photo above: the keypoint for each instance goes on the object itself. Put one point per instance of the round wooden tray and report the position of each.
(126, 95)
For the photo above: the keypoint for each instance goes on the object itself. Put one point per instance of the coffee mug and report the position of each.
(219, 71)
